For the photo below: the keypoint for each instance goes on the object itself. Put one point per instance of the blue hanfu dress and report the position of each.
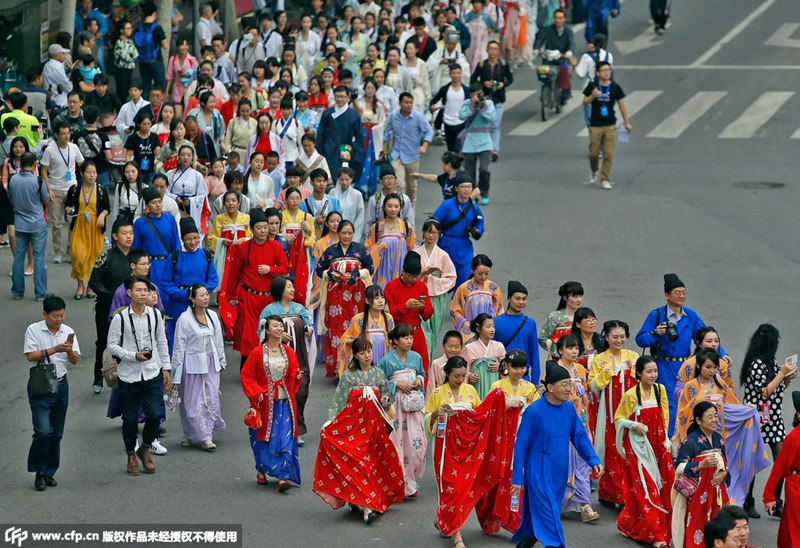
(541, 465)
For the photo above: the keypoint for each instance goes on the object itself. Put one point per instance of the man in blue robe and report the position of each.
(339, 134)
(541, 460)
(190, 266)
(669, 331)
(157, 235)
(517, 331)
(460, 219)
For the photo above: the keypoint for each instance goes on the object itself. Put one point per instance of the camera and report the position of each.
(147, 353)
(481, 97)
(672, 332)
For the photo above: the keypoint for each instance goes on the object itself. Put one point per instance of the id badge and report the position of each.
(603, 110)
(88, 219)
(146, 163)
(69, 176)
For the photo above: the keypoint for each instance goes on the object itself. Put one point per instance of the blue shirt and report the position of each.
(689, 323)
(102, 22)
(409, 133)
(526, 340)
(27, 196)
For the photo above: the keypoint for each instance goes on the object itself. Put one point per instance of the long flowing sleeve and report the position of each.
(686, 452)
(340, 395)
(179, 349)
(252, 389)
(580, 439)
(457, 306)
(784, 462)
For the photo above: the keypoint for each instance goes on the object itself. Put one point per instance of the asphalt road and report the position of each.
(708, 191)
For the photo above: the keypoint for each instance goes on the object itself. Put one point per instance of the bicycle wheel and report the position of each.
(544, 98)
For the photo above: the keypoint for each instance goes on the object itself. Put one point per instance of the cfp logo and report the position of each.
(16, 535)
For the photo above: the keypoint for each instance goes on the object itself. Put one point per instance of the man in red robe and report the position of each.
(787, 467)
(254, 265)
(409, 303)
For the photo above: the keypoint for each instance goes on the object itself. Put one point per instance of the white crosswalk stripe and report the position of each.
(758, 114)
(635, 101)
(516, 96)
(688, 113)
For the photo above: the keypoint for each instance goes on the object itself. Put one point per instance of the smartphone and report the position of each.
(422, 298)
(70, 338)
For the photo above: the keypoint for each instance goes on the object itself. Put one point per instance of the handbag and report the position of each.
(686, 485)
(252, 419)
(110, 375)
(43, 380)
(413, 401)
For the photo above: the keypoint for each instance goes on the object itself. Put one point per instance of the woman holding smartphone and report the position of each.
(764, 384)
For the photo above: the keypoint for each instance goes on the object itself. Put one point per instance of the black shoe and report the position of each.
(50, 481)
(39, 483)
(97, 386)
(751, 511)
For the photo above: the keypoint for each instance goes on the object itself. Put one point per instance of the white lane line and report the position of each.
(687, 114)
(515, 97)
(758, 114)
(635, 102)
(733, 33)
(534, 126)
(796, 134)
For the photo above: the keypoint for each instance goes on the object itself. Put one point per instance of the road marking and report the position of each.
(796, 134)
(688, 113)
(635, 102)
(783, 36)
(645, 40)
(534, 126)
(515, 97)
(733, 33)
(758, 114)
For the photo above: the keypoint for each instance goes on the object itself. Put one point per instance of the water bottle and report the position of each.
(584, 415)
(441, 426)
(514, 503)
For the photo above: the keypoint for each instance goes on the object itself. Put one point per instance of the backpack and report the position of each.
(596, 57)
(143, 40)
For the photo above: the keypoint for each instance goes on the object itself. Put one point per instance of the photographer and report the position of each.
(668, 331)
(478, 114)
(460, 219)
(138, 340)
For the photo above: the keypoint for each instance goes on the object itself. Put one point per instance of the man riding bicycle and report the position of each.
(557, 42)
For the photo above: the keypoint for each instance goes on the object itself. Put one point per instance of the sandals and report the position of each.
(77, 296)
(588, 515)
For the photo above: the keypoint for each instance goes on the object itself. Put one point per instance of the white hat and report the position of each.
(55, 49)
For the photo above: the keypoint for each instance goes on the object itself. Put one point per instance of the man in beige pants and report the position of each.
(407, 135)
(601, 95)
(60, 163)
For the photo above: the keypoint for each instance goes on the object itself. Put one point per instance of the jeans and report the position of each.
(104, 178)
(498, 121)
(48, 413)
(153, 74)
(55, 219)
(587, 114)
(483, 176)
(38, 241)
(604, 137)
(148, 394)
(101, 323)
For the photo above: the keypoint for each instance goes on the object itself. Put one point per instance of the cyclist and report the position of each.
(557, 42)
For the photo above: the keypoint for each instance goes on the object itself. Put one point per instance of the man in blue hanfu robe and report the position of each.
(460, 219)
(157, 235)
(541, 459)
(190, 266)
(339, 136)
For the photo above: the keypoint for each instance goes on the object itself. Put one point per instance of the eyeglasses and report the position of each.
(143, 264)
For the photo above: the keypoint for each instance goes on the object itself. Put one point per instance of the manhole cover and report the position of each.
(758, 185)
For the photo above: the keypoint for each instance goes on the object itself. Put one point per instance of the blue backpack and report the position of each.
(143, 40)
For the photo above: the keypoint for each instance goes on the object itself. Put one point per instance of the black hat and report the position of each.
(257, 216)
(516, 287)
(555, 373)
(671, 281)
(149, 194)
(386, 169)
(135, 83)
(796, 400)
(462, 177)
(188, 226)
(412, 263)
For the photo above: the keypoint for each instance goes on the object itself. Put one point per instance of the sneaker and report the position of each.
(300, 442)
(97, 387)
(157, 449)
(484, 200)
(607, 185)
(660, 31)
(58, 259)
(592, 179)
(17, 297)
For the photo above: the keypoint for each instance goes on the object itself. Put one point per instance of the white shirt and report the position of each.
(261, 189)
(194, 343)
(149, 334)
(272, 42)
(54, 76)
(38, 338)
(388, 96)
(291, 138)
(126, 116)
(61, 164)
(202, 32)
(452, 106)
(587, 67)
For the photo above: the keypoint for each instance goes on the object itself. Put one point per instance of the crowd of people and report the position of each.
(262, 194)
